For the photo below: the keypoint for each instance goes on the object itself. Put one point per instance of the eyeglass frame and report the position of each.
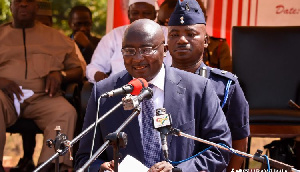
(153, 50)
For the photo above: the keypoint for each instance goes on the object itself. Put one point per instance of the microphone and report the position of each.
(131, 102)
(162, 122)
(134, 87)
(203, 72)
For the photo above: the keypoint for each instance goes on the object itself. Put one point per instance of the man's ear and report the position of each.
(166, 48)
(37, 7)
(155, 14)
(128, 13)
(206, 41)
(70, 24)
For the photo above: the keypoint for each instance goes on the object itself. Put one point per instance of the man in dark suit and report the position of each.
(190, 100)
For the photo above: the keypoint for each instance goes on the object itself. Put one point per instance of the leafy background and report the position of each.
(61, 9)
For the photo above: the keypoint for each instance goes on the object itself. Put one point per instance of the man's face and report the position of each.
(186, 43)
(164, 14)
(81, 22)
(23, 11)
(143, 66)
(141, 10)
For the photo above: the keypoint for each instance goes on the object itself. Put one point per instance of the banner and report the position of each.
(116, 14)
(223, 14)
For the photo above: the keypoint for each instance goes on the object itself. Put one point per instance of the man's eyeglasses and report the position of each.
(145, 51)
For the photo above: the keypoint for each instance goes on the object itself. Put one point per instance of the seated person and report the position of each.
(44, 15)
(186, 42)
(80, 21)
(37, 65)
(190, 99)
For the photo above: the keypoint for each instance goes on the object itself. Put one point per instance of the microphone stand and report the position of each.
(113, 139)
(64, 145)
(257, 156)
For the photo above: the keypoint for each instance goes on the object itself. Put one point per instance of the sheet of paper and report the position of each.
(130, 164)
(27, 94)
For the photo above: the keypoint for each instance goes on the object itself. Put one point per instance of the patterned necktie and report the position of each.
(150, 137)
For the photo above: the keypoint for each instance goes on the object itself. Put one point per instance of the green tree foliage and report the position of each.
(61, 9)
(4, 11)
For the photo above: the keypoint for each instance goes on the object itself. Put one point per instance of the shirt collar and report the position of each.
(159, 79)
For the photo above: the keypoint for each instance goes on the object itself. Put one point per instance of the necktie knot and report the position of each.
(150, 85)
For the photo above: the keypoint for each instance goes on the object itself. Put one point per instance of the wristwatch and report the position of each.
(63, 74)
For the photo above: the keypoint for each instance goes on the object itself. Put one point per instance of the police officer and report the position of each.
(186, 43)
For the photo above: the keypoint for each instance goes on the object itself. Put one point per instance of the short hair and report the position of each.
(79, 8)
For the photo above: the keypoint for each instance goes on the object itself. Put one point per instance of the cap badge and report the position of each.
(187, 7)
(181, 20)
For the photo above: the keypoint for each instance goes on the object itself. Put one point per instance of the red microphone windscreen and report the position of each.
(138, 84)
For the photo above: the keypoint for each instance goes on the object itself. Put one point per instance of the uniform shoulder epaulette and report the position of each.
(223, 73)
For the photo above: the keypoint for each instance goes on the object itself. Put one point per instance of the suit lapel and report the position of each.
(173, 97)
(133, 128)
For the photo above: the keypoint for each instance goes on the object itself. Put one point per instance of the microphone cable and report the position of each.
(226, 92)
(221, 144)
(95, 129)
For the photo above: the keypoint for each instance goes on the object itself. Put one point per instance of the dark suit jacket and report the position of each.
(194, 108)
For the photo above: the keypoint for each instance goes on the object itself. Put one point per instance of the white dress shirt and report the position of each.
(158, 94)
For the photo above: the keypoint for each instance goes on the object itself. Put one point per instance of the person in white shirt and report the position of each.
(107, 57)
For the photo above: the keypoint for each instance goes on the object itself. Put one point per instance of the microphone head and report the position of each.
(147, 93)
(138, 84)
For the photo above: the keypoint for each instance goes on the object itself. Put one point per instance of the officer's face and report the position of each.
(141, 10)
(81, 22)
(186, 43)
(144, 66)
(24, 12)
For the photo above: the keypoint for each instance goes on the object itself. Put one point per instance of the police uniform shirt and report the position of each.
(236, 108)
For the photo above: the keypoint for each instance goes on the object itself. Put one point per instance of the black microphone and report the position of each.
(162, 122)
(134, 86)
(131, 102)
(146, 93)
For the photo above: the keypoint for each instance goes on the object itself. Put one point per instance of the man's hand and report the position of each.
(53, 83)
(161, 167)
(107, 166)
(99, 76)
(81, 39)
(10, 88)
(236, 162)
